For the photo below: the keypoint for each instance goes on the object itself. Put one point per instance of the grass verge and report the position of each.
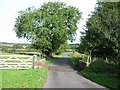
(99, 71)
(32, 78)
(102, 73)
(74, 58)
(104, 79)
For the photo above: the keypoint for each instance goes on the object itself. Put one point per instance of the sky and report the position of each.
(9, 11)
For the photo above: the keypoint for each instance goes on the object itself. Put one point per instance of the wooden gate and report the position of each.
(14, 62)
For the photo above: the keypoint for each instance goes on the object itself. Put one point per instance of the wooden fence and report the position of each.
(14, 62)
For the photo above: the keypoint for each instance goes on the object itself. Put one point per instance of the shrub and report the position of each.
(100, 66)
(81, 65)
(74, 61)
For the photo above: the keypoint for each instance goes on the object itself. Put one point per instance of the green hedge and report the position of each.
(100, 66)
(102, 73)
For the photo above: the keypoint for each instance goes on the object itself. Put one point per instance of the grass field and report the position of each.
(32, 78)
(20, 56)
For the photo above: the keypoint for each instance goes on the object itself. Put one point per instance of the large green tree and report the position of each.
(102, 39)
(49, 26)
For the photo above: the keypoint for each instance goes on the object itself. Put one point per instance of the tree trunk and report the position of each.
(48, 54)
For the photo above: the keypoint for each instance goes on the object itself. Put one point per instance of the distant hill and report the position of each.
(6, 43)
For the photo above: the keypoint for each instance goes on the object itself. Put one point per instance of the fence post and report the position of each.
(33, 62)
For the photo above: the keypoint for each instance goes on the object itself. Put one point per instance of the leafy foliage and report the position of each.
(64, 47)
(100, 66)
(17, 46)
(74, 47)
(48, 26)
(102, 39)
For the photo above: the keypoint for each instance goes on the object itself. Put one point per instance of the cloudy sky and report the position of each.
(9, 11)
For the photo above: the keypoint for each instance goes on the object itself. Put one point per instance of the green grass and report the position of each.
(105, 79)
(102, 73)
(74, 59)
(0, 79)
(8, 55)
(99, 71)
(32, 78)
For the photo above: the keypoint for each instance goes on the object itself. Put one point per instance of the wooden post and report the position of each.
(88, 60)
(34, 60)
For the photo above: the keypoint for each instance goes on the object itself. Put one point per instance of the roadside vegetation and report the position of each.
(98, 71)
(102, 73)
(75, 58)
(100, 40)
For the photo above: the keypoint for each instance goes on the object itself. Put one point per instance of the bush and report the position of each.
(74, 61)
(77, 63)
(81, 65)
(100, 66)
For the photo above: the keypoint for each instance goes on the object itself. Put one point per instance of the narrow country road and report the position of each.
(61, 75)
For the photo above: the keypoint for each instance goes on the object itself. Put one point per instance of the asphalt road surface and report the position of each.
(61, 75)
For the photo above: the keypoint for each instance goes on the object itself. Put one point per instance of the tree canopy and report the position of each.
(102, 39)
(49, 26)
